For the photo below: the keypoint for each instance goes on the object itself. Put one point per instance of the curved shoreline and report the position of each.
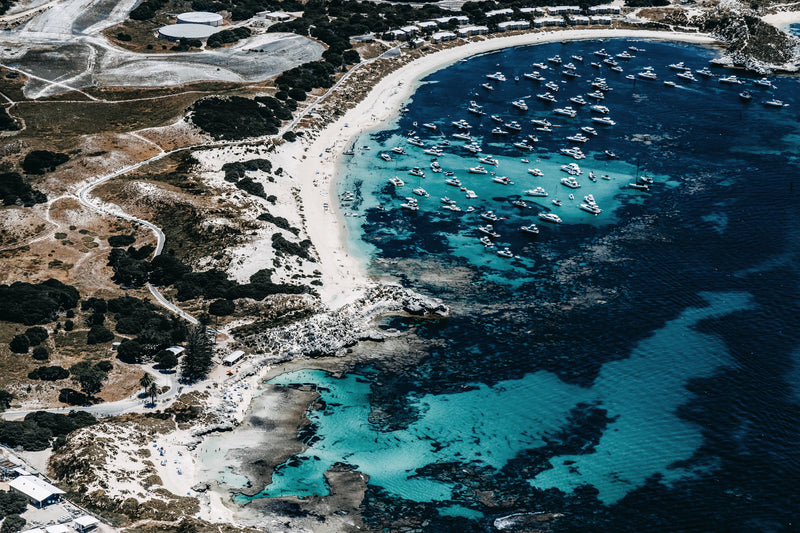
(315, 163)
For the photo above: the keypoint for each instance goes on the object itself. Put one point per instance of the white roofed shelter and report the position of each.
(85, 523)
(58, 528)
(233, 358)
(38, 491)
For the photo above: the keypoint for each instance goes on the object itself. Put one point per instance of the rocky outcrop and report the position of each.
(752, 43)
(331, 333)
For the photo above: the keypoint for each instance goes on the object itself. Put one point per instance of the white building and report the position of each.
(551, 21)
(278, 16)
(85, 523)
(500, 13)
(410, 30)
(604, 10)
(396, 35)
(442, 36)
(564, 10)
(531, 11)
(580, 21)
(468, 31)
(58, 528)
(38, 491)
(514, 25)
(428, 25)
(233, 358)
(459, 19)
(200, 17)
(603, 19)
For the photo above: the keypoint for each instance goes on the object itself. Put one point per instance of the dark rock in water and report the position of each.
(524, 521)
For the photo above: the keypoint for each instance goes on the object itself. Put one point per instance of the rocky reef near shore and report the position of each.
(752, 43)
(331, 333)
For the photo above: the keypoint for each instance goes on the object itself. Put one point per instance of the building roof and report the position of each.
(58, 528)
(176, 350)
(34, 488)
(86, 521)
(34, 530)
(187, 31)
(199, 17)
(233, 356)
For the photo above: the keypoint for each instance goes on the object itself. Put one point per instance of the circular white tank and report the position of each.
(175, 32)
(200, 17)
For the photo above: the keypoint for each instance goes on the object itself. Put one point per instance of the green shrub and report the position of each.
(222, 307)
(30, 304)
(40, 353)
(117, 241)
(20, 344)
(36, 335)
(49, 373)
(41, 161)
(99, 334)
(14, 190)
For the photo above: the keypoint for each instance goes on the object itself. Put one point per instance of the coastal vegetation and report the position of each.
(41, 161)
(15, 190)
(234, 117)
(38, 429)
(29, 304)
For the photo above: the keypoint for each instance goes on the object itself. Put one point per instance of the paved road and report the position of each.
(132, 403)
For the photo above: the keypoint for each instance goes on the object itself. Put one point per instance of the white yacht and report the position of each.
(410, 204)
(472, 147)
(502, 180)
(553, 86)
(490, 216)
(648, 74)
(398, 150)
(538, 191)
(705, 71)
(543, 122)
(579, 59)
(578, 100)
(434, 150)
(397, 182)
(535, 76)
(478, 169)
(462, 136)
(570, 182)
(599, 109)
(556, 59)
(578, 138)
(540, 66)
(588, 129)
(419, 191)
(572, 169)
(604, 120)
(461, 124)
(686, 75)
(520, 203)
(774, 103)
(436, 167)
(522, 145)
(505, 252)
(678, 66)
(566, 111)
(546, 97)
(624, 55)
(487, 86)
(591, 208)
(733, 80)
(499, 131)
(488, 229)
(497, 76)
(489, 160)
(573, 152)
(535, 172)
(530, 229)
(763, 82)
(418, 172)
(429, 125)
(520, 104)
(386, 157)
(455, 182)
(470, 194)
(550, 217)
(416, 141)
(513, 126)
(497, 118)
(597, 95)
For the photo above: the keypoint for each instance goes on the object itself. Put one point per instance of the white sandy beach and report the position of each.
(344, 276)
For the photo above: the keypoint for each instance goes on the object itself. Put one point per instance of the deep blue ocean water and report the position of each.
(635, 370)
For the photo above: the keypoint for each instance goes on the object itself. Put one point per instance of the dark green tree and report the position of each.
(88, 376)
(166, 360)
(12, 524)
(5, 400)
(197, 359)
(20, 343)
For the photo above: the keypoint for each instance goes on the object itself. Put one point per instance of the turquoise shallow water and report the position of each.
(634, 370)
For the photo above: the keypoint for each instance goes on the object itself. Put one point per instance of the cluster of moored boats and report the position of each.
(590, 105)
